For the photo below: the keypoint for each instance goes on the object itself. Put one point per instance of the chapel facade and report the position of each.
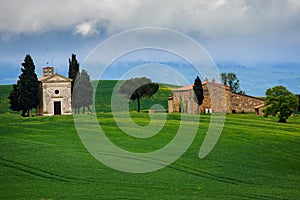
(54, 94)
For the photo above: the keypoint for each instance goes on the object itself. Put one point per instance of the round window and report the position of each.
(56, 91)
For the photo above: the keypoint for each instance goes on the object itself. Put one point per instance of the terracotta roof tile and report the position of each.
(188, 87)
(260, 106)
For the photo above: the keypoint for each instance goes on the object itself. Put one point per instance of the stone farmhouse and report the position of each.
(217, 98)
(54, 94)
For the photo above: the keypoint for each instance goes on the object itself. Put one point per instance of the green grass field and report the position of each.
(43, 158)
(105, 89)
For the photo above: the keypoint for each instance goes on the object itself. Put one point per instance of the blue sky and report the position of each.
(258, 40)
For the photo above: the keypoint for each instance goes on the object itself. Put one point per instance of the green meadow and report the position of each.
(44, 158)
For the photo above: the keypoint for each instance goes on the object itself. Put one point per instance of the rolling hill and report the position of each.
(44, 158)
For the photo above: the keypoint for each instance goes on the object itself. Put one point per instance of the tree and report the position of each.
(73, 70)
(137, 88)
(83, 92)
(198, 90)
(87, 90)
(25, 94)
(299, 103)
(280, 101)
(232, 80)
(77, 94)
(14, 98)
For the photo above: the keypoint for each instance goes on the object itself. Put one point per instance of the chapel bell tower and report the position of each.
(48, 71)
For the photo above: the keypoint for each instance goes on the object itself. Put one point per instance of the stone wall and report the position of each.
(217, 98)
(244, 103)
(185, 102)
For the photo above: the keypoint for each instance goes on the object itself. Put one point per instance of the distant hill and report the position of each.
(103, 97)
(255, 80)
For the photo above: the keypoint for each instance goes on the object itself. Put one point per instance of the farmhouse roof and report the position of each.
(184, 88)
(190, 87)
(260, 106)
(249, 96)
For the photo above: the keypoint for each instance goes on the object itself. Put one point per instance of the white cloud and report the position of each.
(229, 29)
(86, 29)
(206, 17)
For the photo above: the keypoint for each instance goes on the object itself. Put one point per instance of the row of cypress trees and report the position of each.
(25, 93)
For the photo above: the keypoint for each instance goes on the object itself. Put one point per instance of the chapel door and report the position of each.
(57, 107)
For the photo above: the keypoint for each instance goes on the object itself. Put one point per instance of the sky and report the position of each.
(257, 40)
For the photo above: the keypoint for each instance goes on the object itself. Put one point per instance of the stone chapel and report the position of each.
(54, 93)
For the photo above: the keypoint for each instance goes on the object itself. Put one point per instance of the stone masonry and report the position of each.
(217, 98)
(54, 94)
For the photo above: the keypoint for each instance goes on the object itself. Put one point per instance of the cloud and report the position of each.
(206, 18)
(240, 30)
(86, 29)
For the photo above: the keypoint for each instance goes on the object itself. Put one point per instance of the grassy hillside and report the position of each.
(43, 158)
(255, 158)
(105, 89)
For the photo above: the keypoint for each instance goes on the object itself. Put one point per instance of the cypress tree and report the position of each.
(14, 98)
(73, 70)
(87, 90)
(77, 94)
(198, 90)
(25, 94)
(83, 92)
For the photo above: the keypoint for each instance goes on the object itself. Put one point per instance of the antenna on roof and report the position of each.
(52, 62)
(47, 63)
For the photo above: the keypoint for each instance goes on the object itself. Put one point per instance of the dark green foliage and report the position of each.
(88, 89)
(232, 80)
(14, 98)
(137, 88)
(25, 94)
(73, 70)
(83, 92)
(280, 101)
(76, 94)
(299, 103)
(198, 90)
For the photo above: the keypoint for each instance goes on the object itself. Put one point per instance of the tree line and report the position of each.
(25, 93)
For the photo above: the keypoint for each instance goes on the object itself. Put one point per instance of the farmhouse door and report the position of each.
(57, 107)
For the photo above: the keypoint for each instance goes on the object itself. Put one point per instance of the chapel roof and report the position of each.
(55, 78)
